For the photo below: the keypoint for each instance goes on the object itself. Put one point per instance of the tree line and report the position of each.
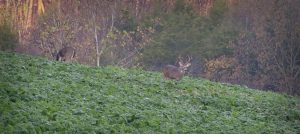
(247, 42)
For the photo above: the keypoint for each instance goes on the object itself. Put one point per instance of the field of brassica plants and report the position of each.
(41, 96)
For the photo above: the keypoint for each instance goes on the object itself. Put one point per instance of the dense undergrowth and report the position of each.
(40, 96)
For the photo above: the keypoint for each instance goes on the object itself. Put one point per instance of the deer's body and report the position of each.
(174, 72)
(66, 54)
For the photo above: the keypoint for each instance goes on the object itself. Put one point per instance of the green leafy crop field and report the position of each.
(40, 96)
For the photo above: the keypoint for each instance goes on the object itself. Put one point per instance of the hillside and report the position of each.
(38, 96)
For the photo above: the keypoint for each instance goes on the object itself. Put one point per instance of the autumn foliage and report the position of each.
(250, 42)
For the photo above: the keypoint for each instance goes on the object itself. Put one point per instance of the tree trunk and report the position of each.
(96, 42)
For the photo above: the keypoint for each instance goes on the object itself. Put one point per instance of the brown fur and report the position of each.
(66, 54)
(174, 72)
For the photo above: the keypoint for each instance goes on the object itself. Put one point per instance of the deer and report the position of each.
(66, 54)
(174, 72)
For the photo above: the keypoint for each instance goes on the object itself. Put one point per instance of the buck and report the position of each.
(66, 54)
(174, 72)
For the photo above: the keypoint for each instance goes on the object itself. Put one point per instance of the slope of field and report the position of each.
(40, 96)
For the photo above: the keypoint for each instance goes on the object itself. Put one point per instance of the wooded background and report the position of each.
(248, 42)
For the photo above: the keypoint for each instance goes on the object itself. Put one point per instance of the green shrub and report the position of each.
(183, 32)
(39, 96)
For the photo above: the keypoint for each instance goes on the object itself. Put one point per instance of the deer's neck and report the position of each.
(181, 70)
